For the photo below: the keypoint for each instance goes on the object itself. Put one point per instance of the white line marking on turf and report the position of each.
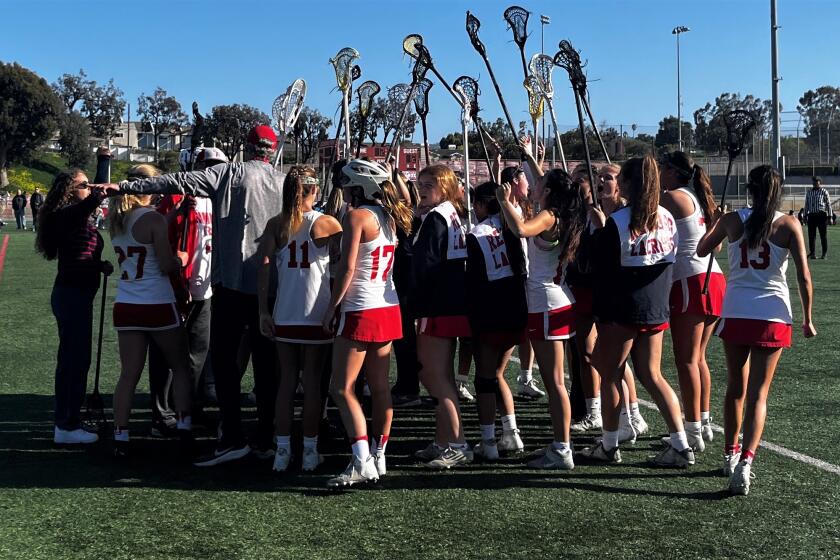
(784, 451)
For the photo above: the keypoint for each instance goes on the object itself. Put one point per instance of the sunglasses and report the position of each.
(82, 186)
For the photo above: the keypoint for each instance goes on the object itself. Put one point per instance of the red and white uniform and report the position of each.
(303, 287)
(145, 299)
(756, 308)
(550, 301)
(690, 269)
(649, 247)
(200, 263)
(370, 310)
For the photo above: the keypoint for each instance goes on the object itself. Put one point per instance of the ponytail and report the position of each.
(641, 176)
(297, 186)
(702, 186)
(119, 207)
(765, 187)
(394, 208)
(565, 201)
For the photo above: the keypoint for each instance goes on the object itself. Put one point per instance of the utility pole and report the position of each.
(774, 113)
(544, 20)
(678, 31)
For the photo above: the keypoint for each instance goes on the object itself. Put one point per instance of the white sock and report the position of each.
(379, 445)
(488, 431)
(634, 408)
(624, 419)
(560, 445)
(120, 435)
(310, 442)
(679, 441)
(525, 376)
(705, 416)
(284, 441)
(361, 450)
(509, 422)
(594, 406)
(184, 423)
(693, 427)
(610, 440)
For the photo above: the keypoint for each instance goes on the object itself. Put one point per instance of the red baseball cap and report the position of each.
(262, 133)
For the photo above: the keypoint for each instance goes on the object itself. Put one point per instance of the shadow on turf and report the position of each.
(29, 459)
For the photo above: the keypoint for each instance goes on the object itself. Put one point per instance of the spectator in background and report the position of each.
(19, 206)
(818, 209)
(35, 203)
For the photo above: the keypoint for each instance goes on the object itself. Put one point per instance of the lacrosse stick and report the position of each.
(398, 96)
(541, 67)
(413, 47)
(286, 110)
(366, 92)
(469, 87)
(472, 30)
(95, 407)
(569, 60)
(535, 100)
(343, 65)
(517, 20)
(739, 127)
(421, 106)
(418, 73)
(465, 121)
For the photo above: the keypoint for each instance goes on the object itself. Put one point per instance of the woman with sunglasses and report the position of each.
(66, 232)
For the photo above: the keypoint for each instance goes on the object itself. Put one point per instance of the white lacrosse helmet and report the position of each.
(366, 174)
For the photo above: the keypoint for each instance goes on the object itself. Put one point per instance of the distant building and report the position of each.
(410, 156)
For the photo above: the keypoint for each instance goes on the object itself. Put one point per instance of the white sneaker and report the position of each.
(487, 449)
(464, 393)
(696, 441)
(510, 442)
(357, 472)
(311, 459)
(72, 437)
(729, 463)
(670, 457)
(739, 482)
(706, 429)
(626, 431)
(639, 423)
(553, 459)
(588, 423)
(282, 458)
(379, 461)
(598, 453)
(431, 451)
(451, 458)
(529, 389)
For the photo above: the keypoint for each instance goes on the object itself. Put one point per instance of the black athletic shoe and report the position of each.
(404, 401)
(224, 454)
(163, 429)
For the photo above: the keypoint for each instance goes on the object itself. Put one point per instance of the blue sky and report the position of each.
(249, 51)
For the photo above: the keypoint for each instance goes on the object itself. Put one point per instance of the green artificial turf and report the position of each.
(78, 504)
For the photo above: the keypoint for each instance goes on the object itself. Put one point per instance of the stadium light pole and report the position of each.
(544, 20)
(774, 63)
(680, 29)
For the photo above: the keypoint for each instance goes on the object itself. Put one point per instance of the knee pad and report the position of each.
(485, 386)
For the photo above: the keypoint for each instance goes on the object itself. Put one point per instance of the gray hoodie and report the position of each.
(245, 196)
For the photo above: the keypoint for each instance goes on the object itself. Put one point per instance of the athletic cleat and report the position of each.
(431, 451)
(739, 482)
(405, 401)
(450, 458)
(357, 472)
(311, 459)
(223, 455)
(72, 437)
(729, 463)
(706, 429)
(510, 442)
(588, 423)
(487, 450)
(379, 461)
(598, 453)
(554, 459)
(639, 423)
(162, 429)
(670, 457)
(464, 393)
(282, 458)
(626, 432)
(529, 389)
(695, 441)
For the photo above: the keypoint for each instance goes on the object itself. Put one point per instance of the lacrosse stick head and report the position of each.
(421, 65)
(366, 92)
(541, 66)
(278, 110)
(343, 65)
(739, 127)
(569, 59)
(466, 113)
(356, 72)
(517, 20)
(472, 30)
(421, 97)
(469, 87)
(535, 96)
(295, 96)
(411, 44)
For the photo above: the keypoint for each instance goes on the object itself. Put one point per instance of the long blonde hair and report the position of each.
(119, 207)
(294, 191)
(642, 178)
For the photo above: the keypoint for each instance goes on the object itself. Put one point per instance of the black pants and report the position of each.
(20, 219)
(817, 221)
(73, 310)
(405, 351)
(34, 219)
(233, 313)
(576, 396)
(160, 376)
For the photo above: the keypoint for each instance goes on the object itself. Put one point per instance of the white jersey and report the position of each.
(689, 231)
(650, 247)
(456, 246)
(141, 280)
(372, 285)
(303, 278)
(757, 285)
(488, 233)
(546, 285)
(200, 280)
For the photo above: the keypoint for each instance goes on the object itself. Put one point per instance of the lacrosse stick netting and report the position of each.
(517, 20)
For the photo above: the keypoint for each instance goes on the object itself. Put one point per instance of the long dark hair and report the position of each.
(59, 196)
(692, 173)
(565, 201)
(641, 176)
(486, 194)
(765, 188)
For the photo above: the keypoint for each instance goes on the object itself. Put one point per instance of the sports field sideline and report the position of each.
(56, 503)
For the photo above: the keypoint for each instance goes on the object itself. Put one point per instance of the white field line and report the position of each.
(784, 451)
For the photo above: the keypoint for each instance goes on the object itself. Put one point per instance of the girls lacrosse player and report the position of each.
(369, 318)
(688, 196)
(299, 243)
(756, 316)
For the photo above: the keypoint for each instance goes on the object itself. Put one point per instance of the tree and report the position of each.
(313, 128)
(102, 106)
(820, 109)
(668, 134)
(72, 89)
(453, 138)
(161, 113)
(710, 129)
(74, 139)
(28, 112)
(229, 126)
